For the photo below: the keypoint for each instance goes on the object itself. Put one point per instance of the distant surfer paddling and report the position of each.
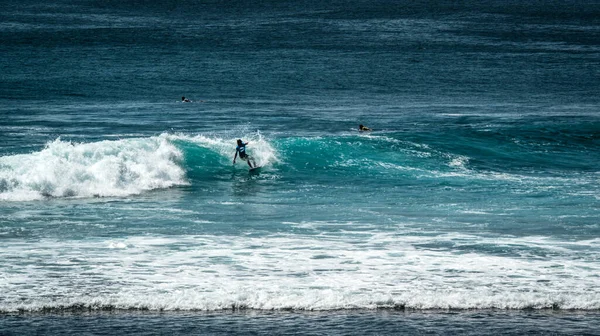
(186, 100)
(363, 128)
(241, 150)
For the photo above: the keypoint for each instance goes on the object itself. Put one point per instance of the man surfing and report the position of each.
(241, 149)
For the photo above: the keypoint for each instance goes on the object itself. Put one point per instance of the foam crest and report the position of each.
(259, 147)
(105, 168)
(312, 300)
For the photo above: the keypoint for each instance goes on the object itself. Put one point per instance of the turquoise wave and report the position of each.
(488, 157)
(389, 155)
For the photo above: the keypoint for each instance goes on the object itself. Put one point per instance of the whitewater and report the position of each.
(472, 207)
(183, 247)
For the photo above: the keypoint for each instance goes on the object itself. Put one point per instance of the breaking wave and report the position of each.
(105, 168)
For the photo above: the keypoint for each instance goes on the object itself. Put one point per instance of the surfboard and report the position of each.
(254, 170)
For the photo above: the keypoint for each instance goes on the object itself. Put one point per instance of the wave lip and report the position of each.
(260, 149)
(99, 169)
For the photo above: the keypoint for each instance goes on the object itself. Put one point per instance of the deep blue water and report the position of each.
(476, 194)
(305, 323)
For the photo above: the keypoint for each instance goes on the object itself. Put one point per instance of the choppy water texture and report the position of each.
(474, 198)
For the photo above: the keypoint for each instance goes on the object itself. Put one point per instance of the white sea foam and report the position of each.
(105, 168)
(459, 162)
(117, 245)
(259, 147)
(362, 270)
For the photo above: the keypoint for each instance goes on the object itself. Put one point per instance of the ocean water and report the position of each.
(472, 207)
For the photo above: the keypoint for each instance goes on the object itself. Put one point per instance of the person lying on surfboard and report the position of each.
(363, 128)
(241, 149)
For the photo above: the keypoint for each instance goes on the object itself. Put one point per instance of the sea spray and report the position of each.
(105, 168)
(260, 148)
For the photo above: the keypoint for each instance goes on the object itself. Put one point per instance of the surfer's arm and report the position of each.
(235, 156)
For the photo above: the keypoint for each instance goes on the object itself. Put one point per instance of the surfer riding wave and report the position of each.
(241, 150)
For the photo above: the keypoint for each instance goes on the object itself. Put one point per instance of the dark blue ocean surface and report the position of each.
(476, 192)
(304, 323)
